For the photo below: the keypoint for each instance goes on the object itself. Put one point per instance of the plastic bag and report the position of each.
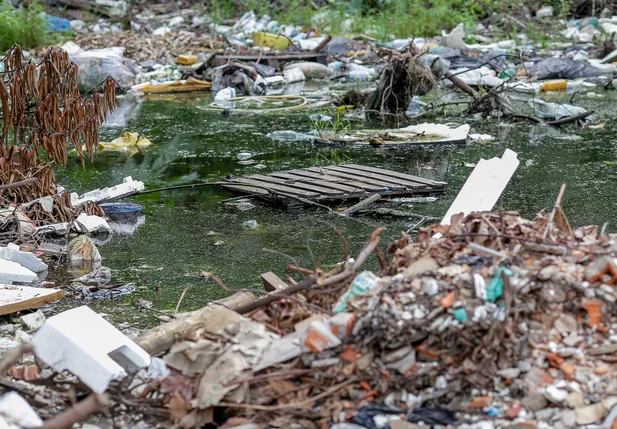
(546, 110)
(563, 68)
(97, 64)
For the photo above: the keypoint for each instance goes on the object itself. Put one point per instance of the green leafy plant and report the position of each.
(338, 124)
(27, 27)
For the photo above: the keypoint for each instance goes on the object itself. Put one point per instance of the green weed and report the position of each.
(26, 27)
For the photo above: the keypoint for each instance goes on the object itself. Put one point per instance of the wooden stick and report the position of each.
(25, 182)
(271, 297)
(365, 202)
(162, 337)
(555, 208)
(462, 85)
(569, 119)
(95, 403)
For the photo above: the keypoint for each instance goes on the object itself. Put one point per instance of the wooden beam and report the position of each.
(272, 282)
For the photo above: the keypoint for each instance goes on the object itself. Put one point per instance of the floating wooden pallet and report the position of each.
(333, 183)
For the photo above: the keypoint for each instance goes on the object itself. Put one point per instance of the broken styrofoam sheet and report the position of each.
(92, 224)
(127, 186)
(15, 412)
(82, 342)
(12, 272)
(425, 133)
(484, 185)
(84, 224)
(26, 259)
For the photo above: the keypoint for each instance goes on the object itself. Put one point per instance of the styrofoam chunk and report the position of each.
(12, 272)
(484, 185)
(16, 412)
(82, 342)
(25, 259)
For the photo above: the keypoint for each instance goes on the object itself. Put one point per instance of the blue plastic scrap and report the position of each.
(495, 289)
(58, 24)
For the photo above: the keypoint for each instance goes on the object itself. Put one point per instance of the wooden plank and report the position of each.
(394, 174)
(244, 189)
(272, 282)
(278, 188)
(387, 179)
(358, 186)
(323, 183)
(299, 185)
(17, 298)
(338, 178)
(359, 178)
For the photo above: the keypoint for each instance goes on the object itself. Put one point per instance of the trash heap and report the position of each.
(493, 321)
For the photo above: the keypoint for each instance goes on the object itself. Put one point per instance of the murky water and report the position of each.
(186, 231)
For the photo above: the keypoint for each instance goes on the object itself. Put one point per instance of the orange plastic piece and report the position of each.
(187, 60)
(365, 386)
(481, 402)
(315, 341)
(553, 85)
(448, 300)
(594, 312)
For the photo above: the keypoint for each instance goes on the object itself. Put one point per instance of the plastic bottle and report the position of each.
(414, 108)
(553, 85)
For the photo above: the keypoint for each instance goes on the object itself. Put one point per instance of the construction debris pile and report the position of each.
(493, 321)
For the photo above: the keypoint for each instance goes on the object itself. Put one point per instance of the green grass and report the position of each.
(26, 27)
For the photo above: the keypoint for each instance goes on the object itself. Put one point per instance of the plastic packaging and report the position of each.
(553, 85)
(225, 94)
(292, 75)
(357, 72)
(311, 70)
(270, 40)
(363, 282)
(563, 68)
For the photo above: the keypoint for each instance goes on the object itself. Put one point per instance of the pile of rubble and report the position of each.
(491, 321)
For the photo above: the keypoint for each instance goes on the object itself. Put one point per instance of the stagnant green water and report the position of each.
(187, 231)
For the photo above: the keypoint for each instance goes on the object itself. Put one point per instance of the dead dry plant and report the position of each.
(43, 114)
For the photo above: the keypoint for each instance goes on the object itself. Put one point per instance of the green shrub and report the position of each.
(26, 27)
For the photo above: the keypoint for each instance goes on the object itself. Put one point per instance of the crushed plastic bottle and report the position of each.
(415, 107)
(252, 224)
(291, 136)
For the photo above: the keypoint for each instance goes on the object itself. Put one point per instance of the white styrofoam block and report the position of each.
(12, 272)
(82, 342)
(92, 224)
(127, 186)
(16, 412)
(25, 259)
(484, 185)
